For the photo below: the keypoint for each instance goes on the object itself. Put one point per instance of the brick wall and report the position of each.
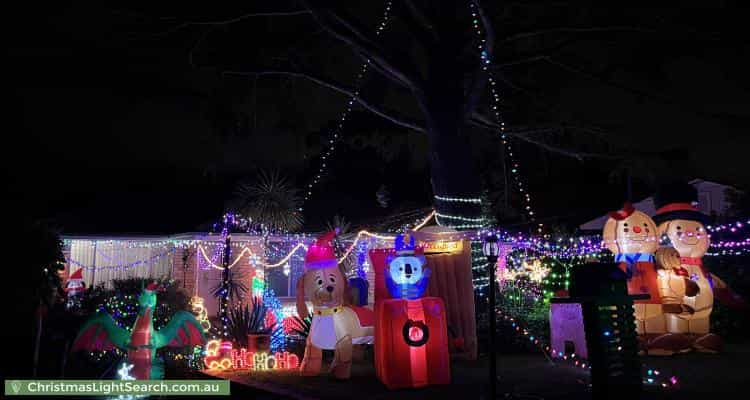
(184, 268)
(200, 282)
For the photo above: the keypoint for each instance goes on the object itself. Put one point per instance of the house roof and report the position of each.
(647, 205)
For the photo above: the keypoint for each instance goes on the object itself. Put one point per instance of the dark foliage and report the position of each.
(121, 301)
(730, 323)
(235, 286)
(248, 320)
(45, 261)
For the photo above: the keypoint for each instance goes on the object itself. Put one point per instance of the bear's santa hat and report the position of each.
(321, 253)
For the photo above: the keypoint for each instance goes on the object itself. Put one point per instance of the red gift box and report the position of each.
(411, 343)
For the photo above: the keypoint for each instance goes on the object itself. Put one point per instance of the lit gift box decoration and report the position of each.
(411, 338)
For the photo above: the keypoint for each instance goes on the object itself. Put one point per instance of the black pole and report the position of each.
(225, 286)
(492, 262)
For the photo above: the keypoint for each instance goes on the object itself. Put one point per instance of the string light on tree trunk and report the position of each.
(475, 200)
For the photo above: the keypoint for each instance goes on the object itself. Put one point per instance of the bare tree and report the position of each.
(436, 62)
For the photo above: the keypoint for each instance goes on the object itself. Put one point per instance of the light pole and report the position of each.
(491, 249)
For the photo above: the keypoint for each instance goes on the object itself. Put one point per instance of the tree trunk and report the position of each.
(38, 338)
(452, 167)
(64, 361)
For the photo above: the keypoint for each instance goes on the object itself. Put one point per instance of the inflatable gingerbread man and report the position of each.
(631, 236)
(683, 226)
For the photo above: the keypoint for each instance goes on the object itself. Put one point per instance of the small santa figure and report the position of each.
(74, 289)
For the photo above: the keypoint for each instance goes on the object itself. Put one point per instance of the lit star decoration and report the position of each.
(124, 375)
(534, 270)
(124, 372)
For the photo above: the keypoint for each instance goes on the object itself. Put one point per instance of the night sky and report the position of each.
(122, 121)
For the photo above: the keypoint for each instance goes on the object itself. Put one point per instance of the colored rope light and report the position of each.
(360, 234)
(286, 258)
(247, 250)
(202, 251)
(425, 221)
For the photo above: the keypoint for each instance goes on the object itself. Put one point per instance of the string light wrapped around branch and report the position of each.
(335, 133)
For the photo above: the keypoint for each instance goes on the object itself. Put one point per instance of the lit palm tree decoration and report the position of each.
(270, 203)
(343, 227)
(234, 288)
(340, 224)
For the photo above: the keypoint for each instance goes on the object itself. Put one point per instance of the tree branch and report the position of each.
(646, 94)
(478, 81)
(233, 20)
(360, 42)
(526, 35)
(484, 122)
(519, 61)
(351, 93)
(418, 19)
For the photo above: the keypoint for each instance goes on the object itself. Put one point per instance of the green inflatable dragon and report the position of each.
(101, 332)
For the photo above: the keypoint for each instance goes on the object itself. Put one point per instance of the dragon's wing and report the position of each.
(182, 330)
(101, 332)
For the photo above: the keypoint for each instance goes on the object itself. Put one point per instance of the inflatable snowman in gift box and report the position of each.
(411, 337)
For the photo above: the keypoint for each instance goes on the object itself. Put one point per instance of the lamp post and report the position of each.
(491, 249)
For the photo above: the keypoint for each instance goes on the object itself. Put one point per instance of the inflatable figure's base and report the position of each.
(665, 344)
(708, 343)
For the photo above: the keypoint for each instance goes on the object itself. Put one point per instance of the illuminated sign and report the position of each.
(442, 246)
(220, 355)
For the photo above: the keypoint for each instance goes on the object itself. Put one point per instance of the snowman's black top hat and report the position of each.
(678, 200)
